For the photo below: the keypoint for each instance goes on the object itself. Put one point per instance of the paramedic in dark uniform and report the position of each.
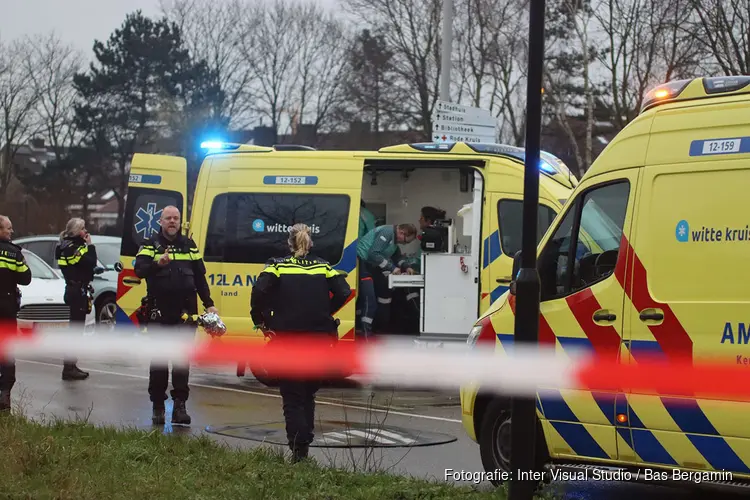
(379, 256)
(174, 272)
(76, 257)
(13, 272)
(298, 294)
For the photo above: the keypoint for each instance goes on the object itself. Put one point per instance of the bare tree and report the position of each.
(569, 85)
(269, 47)
(723, 29)
(647, 43)
(18, 100)
(411, 28)
(322, 42)
(51, 69)
(211, 32)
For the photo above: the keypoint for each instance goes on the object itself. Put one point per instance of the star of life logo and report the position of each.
(682, 231)
(148, 220)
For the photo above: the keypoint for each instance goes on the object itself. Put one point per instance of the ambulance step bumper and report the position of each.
(647, 475)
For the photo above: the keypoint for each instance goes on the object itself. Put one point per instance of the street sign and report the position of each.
(458, 123)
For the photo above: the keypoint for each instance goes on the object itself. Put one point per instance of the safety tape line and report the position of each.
(526, 371)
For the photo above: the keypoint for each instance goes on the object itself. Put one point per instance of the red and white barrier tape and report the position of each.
(523, 372)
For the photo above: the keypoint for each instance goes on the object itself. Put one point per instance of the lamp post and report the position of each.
(526, 330)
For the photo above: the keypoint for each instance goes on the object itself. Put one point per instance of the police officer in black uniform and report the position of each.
(76, 257)
(298, 294)
(174, 272)
(13, 272)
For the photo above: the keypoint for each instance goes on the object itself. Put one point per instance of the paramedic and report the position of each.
(13, 272)
(378, 254)
(428, 217)
(298, 294)
(76, 258)
(174, 272)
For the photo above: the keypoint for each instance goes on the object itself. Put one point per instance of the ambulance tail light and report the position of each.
(664, 93)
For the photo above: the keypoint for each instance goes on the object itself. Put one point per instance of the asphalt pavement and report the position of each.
(410, 433)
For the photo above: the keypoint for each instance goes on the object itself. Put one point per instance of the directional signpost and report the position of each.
(457, 123)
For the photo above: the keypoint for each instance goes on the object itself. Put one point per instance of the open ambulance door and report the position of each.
(155, 182)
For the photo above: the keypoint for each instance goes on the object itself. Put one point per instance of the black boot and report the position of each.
(179, 413)
(157, 415)
(72, 372)
(4, 401)
(299, 452)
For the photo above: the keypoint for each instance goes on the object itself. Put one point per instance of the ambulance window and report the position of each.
(510, 221)
(250, 228)
(596, 245)
(217, 231)
(142, 213)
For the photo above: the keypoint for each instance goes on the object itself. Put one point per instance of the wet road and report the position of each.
(407, 423)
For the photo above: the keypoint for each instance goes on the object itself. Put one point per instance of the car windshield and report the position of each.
(108, 253)
(38, 268)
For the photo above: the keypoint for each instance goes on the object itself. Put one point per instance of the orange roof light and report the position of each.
(664, 92)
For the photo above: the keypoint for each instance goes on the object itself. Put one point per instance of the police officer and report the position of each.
(174, 271)
(297, 294)
(379, 256)
(76, 257)
(13, 272)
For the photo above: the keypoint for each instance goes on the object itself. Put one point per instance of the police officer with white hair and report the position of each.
(76, 257)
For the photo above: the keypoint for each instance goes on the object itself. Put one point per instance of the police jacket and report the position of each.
(13, 270)
(183, 276)
(76, 260)
(298, 295)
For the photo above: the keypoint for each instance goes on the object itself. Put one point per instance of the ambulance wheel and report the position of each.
(495, 437)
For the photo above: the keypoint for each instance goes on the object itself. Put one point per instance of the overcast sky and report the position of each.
(79, 22)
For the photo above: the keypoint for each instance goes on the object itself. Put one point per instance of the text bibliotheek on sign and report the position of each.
(457, 123)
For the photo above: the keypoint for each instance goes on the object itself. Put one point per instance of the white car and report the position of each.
(42, 300)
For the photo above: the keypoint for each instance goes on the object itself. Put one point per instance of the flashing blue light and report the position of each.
(546, 167)
(212, 145)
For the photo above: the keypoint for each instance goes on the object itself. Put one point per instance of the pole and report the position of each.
(526, 329)
(447, 50)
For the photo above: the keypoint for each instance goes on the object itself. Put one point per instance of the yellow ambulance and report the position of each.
(650, 257)
(247, 196)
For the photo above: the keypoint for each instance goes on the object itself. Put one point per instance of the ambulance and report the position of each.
(649, 258)
(247, 196)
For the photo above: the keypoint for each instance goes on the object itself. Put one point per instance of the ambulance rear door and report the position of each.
(155, 181)
(248, 223)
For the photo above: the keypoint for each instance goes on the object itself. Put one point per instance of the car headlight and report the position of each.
(474, 335)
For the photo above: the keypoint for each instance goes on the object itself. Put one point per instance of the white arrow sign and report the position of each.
(484, 121)
(457, 123)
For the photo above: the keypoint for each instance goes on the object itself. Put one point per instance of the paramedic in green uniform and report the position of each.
(377, 254)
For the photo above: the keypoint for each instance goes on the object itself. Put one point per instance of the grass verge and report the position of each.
(76, 460)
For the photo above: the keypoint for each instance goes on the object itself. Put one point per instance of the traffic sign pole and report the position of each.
(447, 49)
(526, 331)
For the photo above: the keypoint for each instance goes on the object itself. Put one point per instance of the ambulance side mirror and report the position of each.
(118, 266)
(516, 269)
